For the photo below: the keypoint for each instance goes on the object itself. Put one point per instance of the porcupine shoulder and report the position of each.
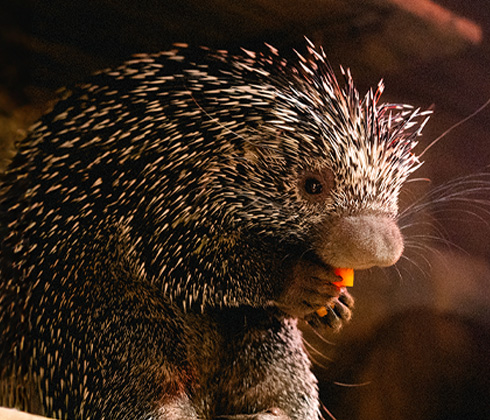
(170, 219)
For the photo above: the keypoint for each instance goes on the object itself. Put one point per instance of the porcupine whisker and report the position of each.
(466, 212)
(445, 133)
(475, 208)
(406, 273)
(357, 385)
(415, 224)
(321, 337)
(314, 360)
(434, 206)
(317, 352)
(435, 239)
(459, 189)
(398, 272)
(423, 251)
(422, 246)
(408, 181)
(329, 414)
(450, 191)
(432, 224)
(403, 270)
(462, 198)
(416, 265)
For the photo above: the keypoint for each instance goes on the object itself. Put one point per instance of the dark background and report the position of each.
(418, 347)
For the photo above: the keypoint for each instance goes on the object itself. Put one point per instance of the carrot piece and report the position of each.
(347, 275)
(347, 280)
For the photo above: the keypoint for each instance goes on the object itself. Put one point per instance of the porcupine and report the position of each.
(169, 221)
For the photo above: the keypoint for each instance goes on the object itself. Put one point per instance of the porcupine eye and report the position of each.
(315, 186)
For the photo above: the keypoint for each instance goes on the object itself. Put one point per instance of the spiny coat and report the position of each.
(168, 222)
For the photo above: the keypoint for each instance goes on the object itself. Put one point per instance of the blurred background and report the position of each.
(419, 344)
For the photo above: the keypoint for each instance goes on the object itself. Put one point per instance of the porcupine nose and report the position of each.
(362, 241)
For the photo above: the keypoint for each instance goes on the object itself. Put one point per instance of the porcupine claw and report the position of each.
(334, 315)
(340, 309)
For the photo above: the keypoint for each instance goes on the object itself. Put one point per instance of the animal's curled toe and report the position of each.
(338, 312)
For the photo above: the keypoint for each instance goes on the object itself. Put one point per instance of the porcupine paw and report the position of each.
(273, 413)
(311, 290)
(335, 314)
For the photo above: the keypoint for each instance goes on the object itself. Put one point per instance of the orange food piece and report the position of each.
(347, 275)
(321, 312)
(347, 280)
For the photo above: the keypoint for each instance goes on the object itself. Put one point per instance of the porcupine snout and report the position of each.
(361, 241)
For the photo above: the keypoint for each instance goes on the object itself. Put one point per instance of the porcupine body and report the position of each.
(170, 220)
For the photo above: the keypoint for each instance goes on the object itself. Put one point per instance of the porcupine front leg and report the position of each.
(263, 373)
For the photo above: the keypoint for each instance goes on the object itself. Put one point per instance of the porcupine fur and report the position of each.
(168, 222)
